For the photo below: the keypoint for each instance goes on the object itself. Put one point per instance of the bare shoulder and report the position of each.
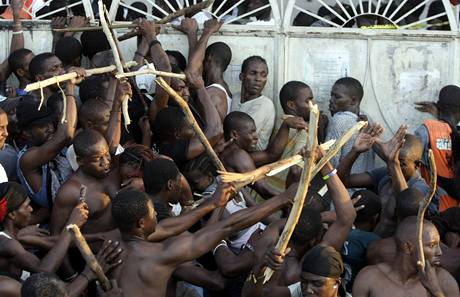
(448, 283)
(69, 193)
(9, 287)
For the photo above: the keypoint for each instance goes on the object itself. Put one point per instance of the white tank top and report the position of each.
(229, 99)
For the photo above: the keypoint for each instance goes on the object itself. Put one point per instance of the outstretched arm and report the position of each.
(397, 177)
(189, 27)
(113, 133)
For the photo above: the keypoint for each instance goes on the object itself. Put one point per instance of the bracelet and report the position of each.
(71, 278)
(222, 243)
(330, 174)
(139, 54)
(70, 95)
(154, 42)
(18, 32)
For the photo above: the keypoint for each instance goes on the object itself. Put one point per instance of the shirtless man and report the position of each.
(101, 180)
(148, 266)
(241, 155)
(16, 213)
(403, 277)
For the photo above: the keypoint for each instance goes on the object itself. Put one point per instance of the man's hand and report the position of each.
(31, 232)
(16, 7)
(367, 137)
(79, 214)
(428, 107)
(429, 279)
(147, 29)
(123, 89)
(296, 123)
(81, 73)
(386, 147)
(222, 194)
(78, 22)
(212, 26)
(194, 79)
(274, 258)
(109, 255)
(187, 26)
(58, 23)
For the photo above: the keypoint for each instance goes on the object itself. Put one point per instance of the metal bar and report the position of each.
(355, 13)
(45, 3)
(397, 9)
(187, 3)
(140, 11)
(169, 5)
(317, 16)
(57, 10)
(423, 21)
(412, 10)
(361, 8)
(157, 7)
(378, 6)
(89, 10)
(453, 23)
(248, 13)
(369, 3)
(387, 8)
(332, 10)
(220, 6)
(230, 9)
(344, 10)
(179, 3)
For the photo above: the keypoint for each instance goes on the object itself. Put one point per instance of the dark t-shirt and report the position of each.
(176, 150)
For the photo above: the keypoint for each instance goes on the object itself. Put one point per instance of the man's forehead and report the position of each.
(257, 66)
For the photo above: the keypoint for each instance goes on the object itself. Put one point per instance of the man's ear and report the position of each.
(12, 215)
(234, 134)
(290, 104)
(241, 76)
(170, 185)
(20, 72)
(408, 248)
(140, 223)
(418, 163)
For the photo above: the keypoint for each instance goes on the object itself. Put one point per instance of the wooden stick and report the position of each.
(191, 120)
(86, 252)
(151, 71)
(116, 56)
(423, 207)
(302, 191)
(184, 11)
(60, 78)
(95, 28)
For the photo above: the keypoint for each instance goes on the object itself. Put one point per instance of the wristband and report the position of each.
(70, 95)
(139, 54)
(154, 42)
(330, 174)
(222, 243)
(71, 278)
(18, 32)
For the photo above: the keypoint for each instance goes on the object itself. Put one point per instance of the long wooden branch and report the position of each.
(191, 120)
(116, 56)
(95, 28)
(89, 257)
(423, 207)
(68, 76)
(151, 71)
(190, 10)
(243, 179)
(302, 191)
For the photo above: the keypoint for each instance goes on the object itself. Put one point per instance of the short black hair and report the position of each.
(250, 60)
(138, 154)
(157, 173)
(90, 110)
(43, 284)
(449, 99)
(84, 141)
(93, 42)
(289, 91)
(221, 54)
(233, 121)
(92, 88)
(167, 122)
(132, 14)
(181, 61)
(308, 227)
(407, 203)
(16, 59)
(68, 49)
(37, 64)
(353, 85)
(128, 207)
(372, 205)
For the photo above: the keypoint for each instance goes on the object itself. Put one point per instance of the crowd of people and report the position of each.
(154, 210)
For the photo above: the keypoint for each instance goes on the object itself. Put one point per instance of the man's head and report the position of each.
(406, 240)
(370, 214)
(449, 102)
(162, 176)
(346, 95)
(93, 42)
(170, 124)
(253, 76)
(133, 213)
(321, 270)
(217, 55)
(95, 114)
(410, 156)
(44, 66)
(408, 203)
(242, 128)
(308, 230)
(177, 58)
(93, 87)
(200, 172)
(68, 50)
(19, 61)
(14, 205)
(92, 151)
(37, 125)
(294, 99)
(43, 284)
(133, 160)
(3, 128)
(179, 85)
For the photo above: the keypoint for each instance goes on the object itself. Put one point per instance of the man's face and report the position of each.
(313, 285)
(3, 129)
(150, 219)
(254, 79)
(408, 164)
(39, 134)
(340, 99)
(301, 108)
(23, 214)
(181, 88)
(101, 121)
(52, 67)
(97, 162)
(431, 246)
(247, 136)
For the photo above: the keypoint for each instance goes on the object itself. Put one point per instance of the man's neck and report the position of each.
(130, 237)
(10, 228)
(246, 97)
(215, 76)
(405, 270)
